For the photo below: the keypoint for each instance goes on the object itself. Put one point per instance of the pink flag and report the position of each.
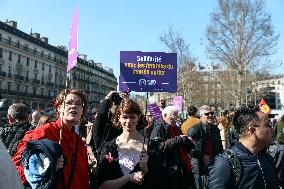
(73, 44)
(177, 102)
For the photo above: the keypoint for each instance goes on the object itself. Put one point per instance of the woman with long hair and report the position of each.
(224, 127)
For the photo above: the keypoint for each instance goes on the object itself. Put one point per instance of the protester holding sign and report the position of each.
(104, 130)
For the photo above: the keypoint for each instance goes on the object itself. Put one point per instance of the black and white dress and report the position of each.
(113, 164)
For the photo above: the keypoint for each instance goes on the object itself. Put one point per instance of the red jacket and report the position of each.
(68, 143)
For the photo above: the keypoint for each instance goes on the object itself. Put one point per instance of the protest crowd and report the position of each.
(118, 146)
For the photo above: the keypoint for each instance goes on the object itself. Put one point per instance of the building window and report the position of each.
(9, 40)
(26, 90)
(18, 43)
(10, 55)
(49, 68)
(41, 91)
(19, 58)
(42, 79)
(18, 87)
(34, 90)
(42, 68)
(28, 61)
(9, 86)
(1, 53)
(35, 76)
(9, 71)
(35, 63)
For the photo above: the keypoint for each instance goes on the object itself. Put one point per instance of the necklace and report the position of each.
(262, 173)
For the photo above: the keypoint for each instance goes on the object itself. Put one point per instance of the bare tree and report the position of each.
(240, 36)
(189, 80)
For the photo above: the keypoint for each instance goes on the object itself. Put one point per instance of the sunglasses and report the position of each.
(209, 113)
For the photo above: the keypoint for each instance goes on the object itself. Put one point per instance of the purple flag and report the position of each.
(73, 44)
(177, 102)
(148, 71)
(155, 111)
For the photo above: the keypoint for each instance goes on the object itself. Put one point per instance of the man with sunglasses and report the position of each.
(256, 167)
(207, 143)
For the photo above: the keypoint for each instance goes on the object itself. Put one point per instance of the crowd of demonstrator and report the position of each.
(116, 146)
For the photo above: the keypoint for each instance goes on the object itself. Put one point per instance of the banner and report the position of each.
(148, 71)
(73, 44)
(155, 111)
(177, 102)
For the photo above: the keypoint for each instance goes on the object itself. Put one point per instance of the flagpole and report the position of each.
(146, 109)
(72, 61)
(64, 99)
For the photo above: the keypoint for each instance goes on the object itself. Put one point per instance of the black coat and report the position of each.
(12, 134)
(165, 164)
(103, 129)
(198, 134)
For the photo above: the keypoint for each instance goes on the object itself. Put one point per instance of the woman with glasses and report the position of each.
(44, 166)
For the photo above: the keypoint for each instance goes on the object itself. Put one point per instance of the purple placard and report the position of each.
(72, 53)
(155, 111)
(177, 102)
(148, 71)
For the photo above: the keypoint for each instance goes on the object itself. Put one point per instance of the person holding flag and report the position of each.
(71, 106)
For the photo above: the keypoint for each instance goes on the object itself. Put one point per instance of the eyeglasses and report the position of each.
(76, 103)
(209, 113)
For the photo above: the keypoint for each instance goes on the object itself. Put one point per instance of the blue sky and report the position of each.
(108, 27)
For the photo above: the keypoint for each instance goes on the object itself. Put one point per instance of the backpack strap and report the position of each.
(235, 165)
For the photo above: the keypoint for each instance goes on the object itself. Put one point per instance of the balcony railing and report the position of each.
(36, 81)
(33, 51)
(19, 77)
(50, 84)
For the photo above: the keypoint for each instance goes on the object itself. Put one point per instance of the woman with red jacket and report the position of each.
(74, 149)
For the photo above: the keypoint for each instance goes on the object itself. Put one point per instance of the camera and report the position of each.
(116, 98)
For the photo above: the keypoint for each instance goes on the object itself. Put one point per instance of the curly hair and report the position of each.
(224, 121)
(60, 98)
(244, 117)
(128, 106)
